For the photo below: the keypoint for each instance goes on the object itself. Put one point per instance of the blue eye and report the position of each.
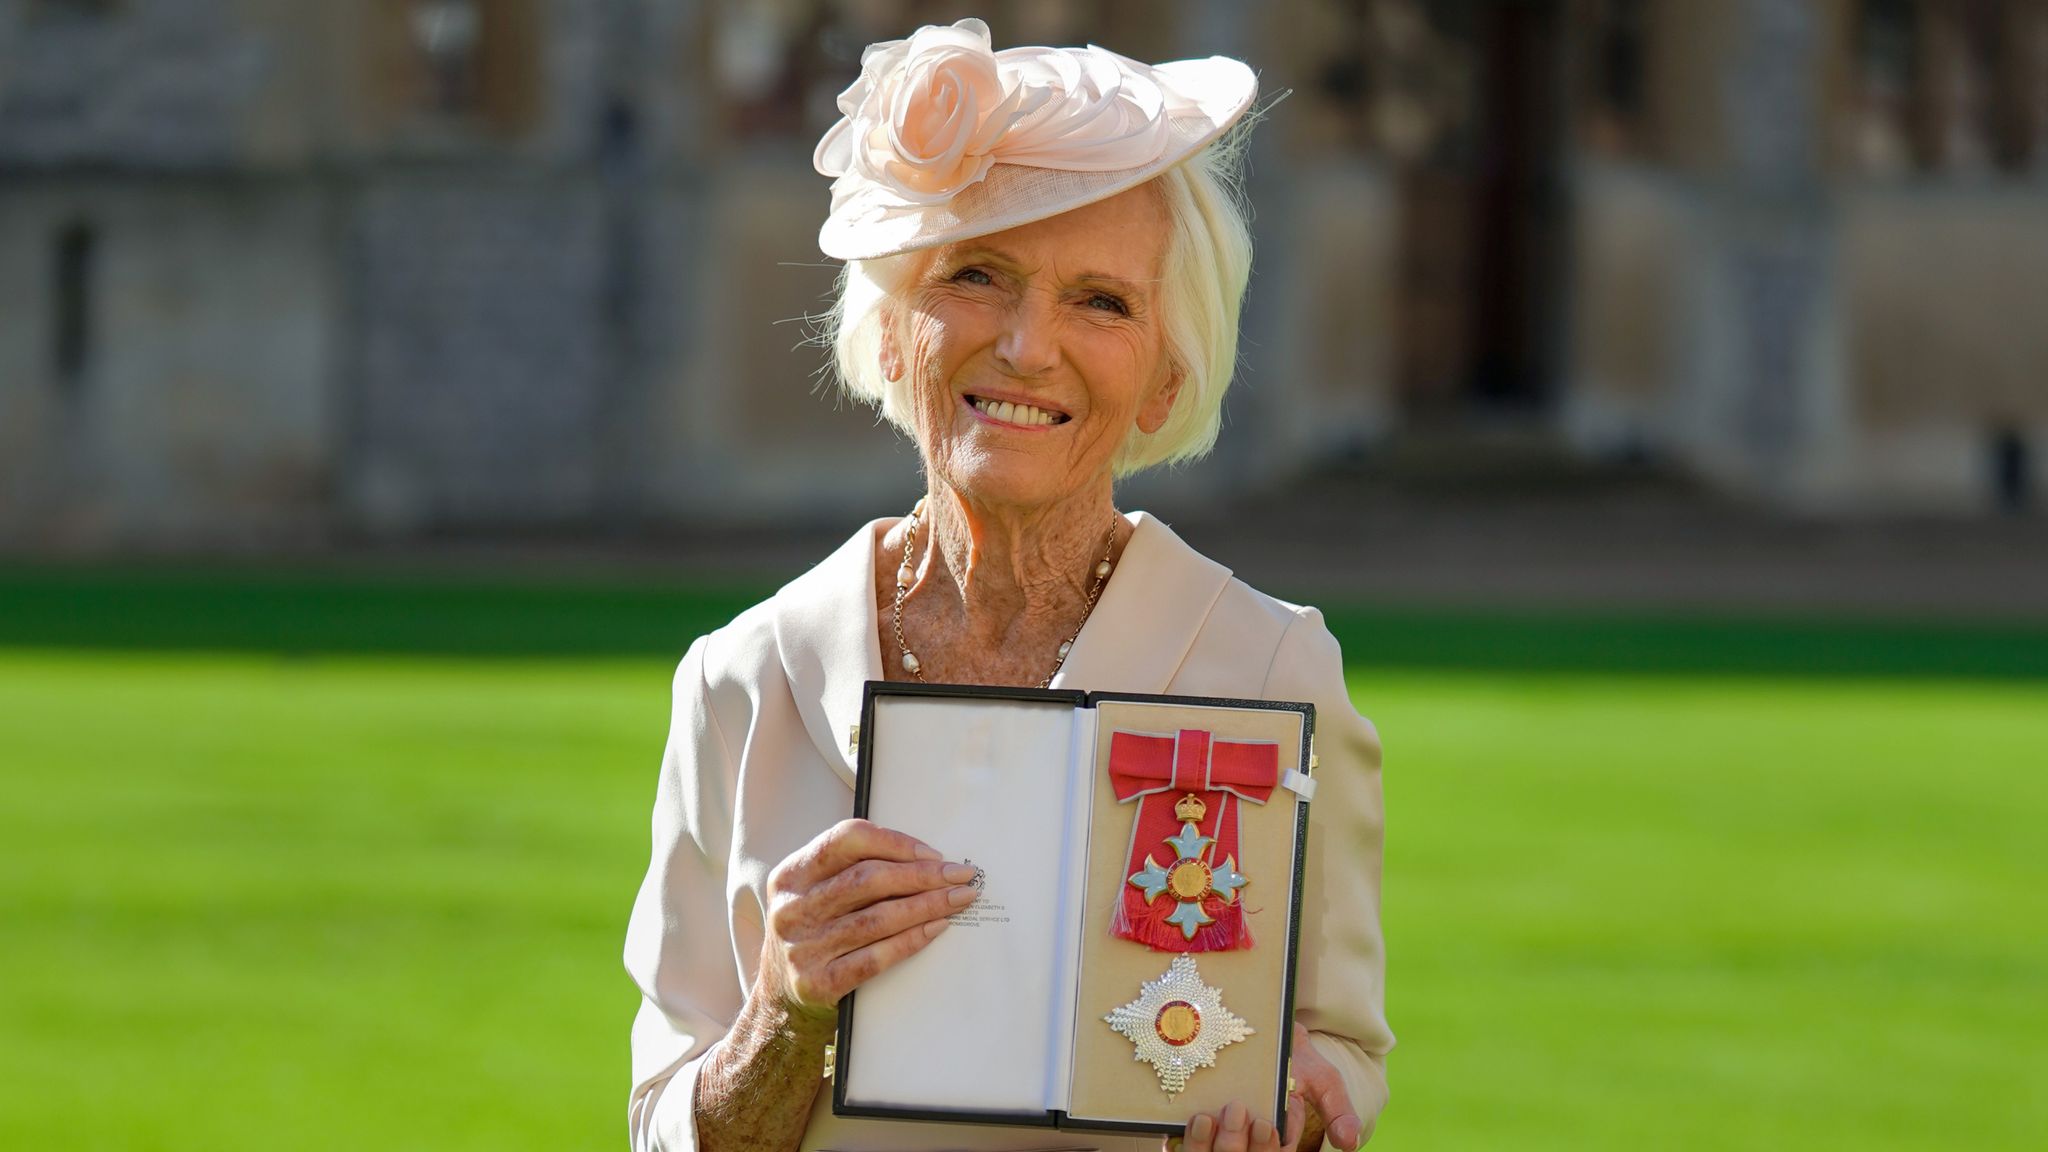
(972, 276)
(1103, 301)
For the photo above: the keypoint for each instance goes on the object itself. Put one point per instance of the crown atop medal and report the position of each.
(1190, 809)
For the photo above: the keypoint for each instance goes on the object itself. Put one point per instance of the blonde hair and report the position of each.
(1207, 263)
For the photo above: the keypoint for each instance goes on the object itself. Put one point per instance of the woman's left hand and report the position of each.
(1318, 1093)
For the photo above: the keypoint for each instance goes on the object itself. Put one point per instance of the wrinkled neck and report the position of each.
(1003, 563)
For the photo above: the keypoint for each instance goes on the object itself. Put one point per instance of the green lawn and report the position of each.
(282, 883)
(1715, 913)
(262, 903)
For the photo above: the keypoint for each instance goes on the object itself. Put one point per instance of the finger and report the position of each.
(1324, 1088)
(1201, 1134)
(1233, 1132)
(872, 881)
(1325, 1092)
(857, 929)
(837, 847)
(862, 965)
(1345, 1130)
(814, 916)
(1264, 1137)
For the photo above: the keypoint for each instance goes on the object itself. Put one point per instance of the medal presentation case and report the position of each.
(1129, 961)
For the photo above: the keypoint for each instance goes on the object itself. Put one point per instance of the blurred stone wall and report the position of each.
(1824, 296)
(275, 273)
(206, 408)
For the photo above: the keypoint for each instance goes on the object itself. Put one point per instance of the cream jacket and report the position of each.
(758, 763)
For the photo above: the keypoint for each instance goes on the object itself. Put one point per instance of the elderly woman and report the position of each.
(1044, 268)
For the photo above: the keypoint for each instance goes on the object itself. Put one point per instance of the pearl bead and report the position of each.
(1102, 570)
(910, 663)
(1066, 646)
(904, 576)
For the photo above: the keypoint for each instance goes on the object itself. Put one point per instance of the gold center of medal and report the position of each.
(1189, 879)
(1178, 1023)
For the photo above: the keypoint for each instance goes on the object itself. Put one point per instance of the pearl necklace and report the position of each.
(908, 572)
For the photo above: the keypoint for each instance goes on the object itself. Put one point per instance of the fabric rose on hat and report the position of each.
(924, 117)
(942, 138)
(931, 115)
(1099, 111)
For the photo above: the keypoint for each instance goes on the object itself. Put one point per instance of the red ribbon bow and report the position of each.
(1141, 764)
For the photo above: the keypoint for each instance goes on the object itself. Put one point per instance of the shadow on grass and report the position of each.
(296, 613)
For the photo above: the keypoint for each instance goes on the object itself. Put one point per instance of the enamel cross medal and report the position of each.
(1191, 878)
(1191, 902)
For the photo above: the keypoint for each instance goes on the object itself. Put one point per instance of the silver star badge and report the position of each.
(1178, 1024)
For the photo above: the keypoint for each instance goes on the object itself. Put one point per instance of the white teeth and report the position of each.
(1024, 415)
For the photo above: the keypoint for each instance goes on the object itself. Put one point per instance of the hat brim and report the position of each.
(1016, 194)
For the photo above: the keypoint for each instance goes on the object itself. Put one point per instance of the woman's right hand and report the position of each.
(856, 901)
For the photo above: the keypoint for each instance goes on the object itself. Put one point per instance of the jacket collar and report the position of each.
(826, 629)
(1148, 617)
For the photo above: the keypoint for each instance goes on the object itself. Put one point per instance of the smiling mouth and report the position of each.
(1023, 415)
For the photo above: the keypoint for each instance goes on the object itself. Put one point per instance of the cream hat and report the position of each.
(944, 138)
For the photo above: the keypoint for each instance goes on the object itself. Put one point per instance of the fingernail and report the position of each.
(927, 852)
(1234, 1117)
(1204, 1126)
(1262, 1132)
(1345, 1133)
(934, 927)
(957, 873)
(960, 897)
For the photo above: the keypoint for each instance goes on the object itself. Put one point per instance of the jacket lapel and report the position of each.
(1150, 613)
(825, 633)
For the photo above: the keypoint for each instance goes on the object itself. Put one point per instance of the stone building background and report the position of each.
(276, 274)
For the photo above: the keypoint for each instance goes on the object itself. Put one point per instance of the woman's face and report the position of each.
(1059, 320)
